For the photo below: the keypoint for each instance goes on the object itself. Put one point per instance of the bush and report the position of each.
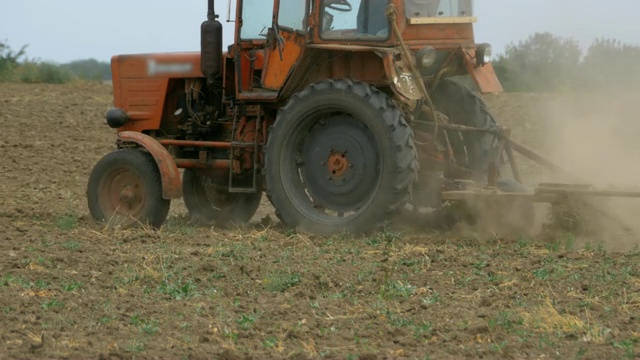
(32, 73)
(611, 64)
(15, 67)
(9, 61)
(543, 62)
(90, 69)
(547, 63)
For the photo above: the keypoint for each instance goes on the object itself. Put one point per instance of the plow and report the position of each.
(339, 112)
(576, 193)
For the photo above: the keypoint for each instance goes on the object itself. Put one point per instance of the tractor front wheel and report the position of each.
(340, 158)
(208, 200)
(125, 189)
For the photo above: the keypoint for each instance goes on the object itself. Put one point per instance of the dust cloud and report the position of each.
(596, 137)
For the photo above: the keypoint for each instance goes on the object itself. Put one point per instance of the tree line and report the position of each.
(548, 63)
(15, 66)
(541, 63)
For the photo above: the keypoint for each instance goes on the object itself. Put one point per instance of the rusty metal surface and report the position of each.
(123, 193)
(171, 181)
(484, 76)
(281, 58)
(337, 164)
(209, 164)
(140, 84)
(196, 143)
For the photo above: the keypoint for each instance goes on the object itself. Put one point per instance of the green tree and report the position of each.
(89, 69)
(9, 60)
(611, 64)
(543, 62)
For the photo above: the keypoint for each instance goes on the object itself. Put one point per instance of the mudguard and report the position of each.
(171, 182)
(484, 76)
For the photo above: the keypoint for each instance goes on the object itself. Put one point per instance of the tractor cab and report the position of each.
(274, 39)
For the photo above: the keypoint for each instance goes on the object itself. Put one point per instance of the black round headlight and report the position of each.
(116, 118)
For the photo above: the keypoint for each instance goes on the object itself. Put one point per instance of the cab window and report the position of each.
(355, 20)
(257, 18)
(293, 14)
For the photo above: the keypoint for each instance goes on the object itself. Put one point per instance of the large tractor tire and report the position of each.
(340, 158)
(472, 150)
(210, 201)
(125, 189)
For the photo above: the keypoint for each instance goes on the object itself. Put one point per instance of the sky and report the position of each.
(66, 30)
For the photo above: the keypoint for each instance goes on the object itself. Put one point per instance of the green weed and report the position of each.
(67, 222)
(71, 286)
(280, 282)
(47, 305)
(541, 274)
(430, 300)
(41, 284)
(177, 288)
(397, 289)
(627, 346)
(246, 321)
(135, 346)
(71, 245)
(150, 328)
(270, 342)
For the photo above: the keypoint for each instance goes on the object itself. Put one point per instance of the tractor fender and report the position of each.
(485, 76)
(171, 182)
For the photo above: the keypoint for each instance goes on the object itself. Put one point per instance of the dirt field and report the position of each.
(71, 289)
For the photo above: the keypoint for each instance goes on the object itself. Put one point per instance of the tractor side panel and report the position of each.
(321, 64)
(140, 84)
(281, 59)
(440, 36)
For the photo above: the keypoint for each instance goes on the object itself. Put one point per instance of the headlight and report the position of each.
(426, 56)
(484, 54)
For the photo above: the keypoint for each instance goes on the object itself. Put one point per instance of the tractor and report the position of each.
(341, 112)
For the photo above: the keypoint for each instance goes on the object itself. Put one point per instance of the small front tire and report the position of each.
(125, 189)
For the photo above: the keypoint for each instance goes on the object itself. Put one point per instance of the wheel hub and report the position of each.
(337, 164)
(128, 195)
(123, 193)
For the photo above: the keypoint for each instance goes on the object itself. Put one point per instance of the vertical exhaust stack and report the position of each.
(211, 44)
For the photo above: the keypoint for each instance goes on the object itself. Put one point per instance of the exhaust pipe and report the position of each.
(211, 44)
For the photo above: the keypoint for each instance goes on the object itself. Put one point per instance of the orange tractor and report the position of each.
(340, 111)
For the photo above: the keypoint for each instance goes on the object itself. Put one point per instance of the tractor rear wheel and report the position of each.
(340, 158)
(208, 200)
(125, 189)
(472, 150)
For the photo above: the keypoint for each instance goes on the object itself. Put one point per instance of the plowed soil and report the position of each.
(70, 288)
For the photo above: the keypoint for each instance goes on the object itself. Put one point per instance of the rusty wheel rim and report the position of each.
(337, 164)
(122, 194)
